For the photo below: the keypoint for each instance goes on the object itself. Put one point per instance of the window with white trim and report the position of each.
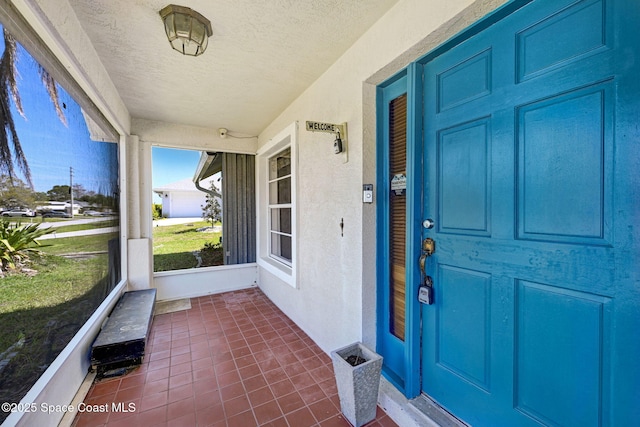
(280, 230)
(276, 208)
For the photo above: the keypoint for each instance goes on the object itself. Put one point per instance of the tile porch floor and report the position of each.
(233, 359)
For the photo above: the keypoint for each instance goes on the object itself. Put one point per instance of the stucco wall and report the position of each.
(190, 137)
(335, 298)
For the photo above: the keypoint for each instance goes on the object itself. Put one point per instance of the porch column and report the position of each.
(139, 244)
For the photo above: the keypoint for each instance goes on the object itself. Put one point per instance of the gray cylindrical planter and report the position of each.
(357, 385)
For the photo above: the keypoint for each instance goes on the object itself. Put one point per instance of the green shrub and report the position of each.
(16, 242)
(211, 254)
(156, 211)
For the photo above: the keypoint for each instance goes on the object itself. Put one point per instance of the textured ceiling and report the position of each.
(262, 55)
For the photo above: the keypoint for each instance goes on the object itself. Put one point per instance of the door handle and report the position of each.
(425, 292)
(421, 262)
(429, 246)
(428, 249)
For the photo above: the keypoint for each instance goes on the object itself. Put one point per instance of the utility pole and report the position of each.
(71, 188)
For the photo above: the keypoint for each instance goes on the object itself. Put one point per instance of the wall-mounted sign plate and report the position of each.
(322, 127)
(339, 130)
(399, 184)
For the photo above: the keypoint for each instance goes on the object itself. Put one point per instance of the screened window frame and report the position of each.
(51, 388)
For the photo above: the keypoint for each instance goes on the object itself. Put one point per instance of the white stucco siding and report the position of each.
(335, 298)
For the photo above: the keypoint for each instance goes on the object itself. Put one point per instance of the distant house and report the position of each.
(61, 206)
(182, 199)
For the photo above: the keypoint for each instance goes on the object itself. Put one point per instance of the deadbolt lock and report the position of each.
(429, 246)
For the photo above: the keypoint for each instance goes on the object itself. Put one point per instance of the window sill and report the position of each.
(203, 269)
(278, 269)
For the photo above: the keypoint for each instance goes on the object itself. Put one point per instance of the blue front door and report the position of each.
(531, 150)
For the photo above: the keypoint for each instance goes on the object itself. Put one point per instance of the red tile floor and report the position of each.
(233, 359)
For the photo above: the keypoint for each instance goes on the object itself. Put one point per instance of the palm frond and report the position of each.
(10, 70)
(52, 89)
(6, 159)
(9, 90)
(20, 157)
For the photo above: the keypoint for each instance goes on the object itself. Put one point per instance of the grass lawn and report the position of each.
(61, 228)
(67, 245)
(87, 226)
(40, 314)
(41, 311)
(173, 245)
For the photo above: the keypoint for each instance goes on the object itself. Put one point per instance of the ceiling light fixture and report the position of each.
(187, 30)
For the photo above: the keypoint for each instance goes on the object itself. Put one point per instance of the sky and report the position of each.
(171, 165)
(51, 147)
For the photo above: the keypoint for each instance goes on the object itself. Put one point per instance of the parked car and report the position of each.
(55, 214)
(19, 212)
(92, 213)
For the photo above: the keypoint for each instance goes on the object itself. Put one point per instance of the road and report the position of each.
(55, 235)
(74, 221)
(173, 221)
(79, 221)
(90, 232)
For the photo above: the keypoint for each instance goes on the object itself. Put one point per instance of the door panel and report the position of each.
(579, 30)
(553, 179)
(463, 175)
(397, 216)
(534, 275)
(463, 346)
(465, 81)
(568, 361)
(391, 233)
